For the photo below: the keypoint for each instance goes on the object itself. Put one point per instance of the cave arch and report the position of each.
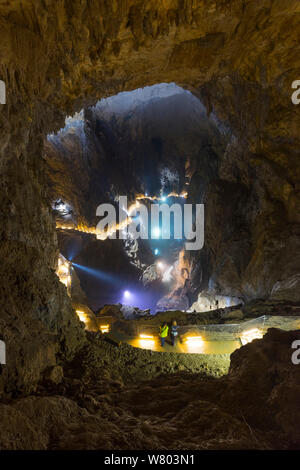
(153, 141)
(61, 56)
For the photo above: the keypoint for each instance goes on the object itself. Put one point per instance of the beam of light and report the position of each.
(71, 256)
(72, 250)
(127, 297)
(103, 276)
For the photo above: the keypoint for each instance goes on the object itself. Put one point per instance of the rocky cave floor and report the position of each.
(113, 398)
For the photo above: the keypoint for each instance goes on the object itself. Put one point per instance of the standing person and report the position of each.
(163, 333)
(174, 332)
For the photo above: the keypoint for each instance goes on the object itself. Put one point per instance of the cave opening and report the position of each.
(155, 145)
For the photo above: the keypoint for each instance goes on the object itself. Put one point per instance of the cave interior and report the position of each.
(171, 102)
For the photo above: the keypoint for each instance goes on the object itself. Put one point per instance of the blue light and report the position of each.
(164, 198)
(128, 297)
(97, 273)
(156, 251)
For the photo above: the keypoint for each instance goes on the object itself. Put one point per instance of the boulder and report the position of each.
(55, 375)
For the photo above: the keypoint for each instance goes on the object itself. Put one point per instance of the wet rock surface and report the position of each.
(173, 302)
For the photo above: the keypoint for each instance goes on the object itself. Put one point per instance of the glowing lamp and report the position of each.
(127, 294)
(194, 343)
(146, 341)
(156, 251)
(104, 328)
(81, 315)
(160, 265)
(143, 336)
(63, 269)
(194, 339)
(164, 198)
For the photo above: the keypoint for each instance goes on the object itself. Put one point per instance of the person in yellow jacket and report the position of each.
(163, 333)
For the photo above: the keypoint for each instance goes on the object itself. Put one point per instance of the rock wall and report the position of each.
(239, 56)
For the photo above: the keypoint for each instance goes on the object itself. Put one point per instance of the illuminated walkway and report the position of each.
(121, 226)
(193, 346)
(208, 339)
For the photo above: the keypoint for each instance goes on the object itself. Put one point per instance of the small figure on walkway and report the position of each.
(163, 333)
(174, 332)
